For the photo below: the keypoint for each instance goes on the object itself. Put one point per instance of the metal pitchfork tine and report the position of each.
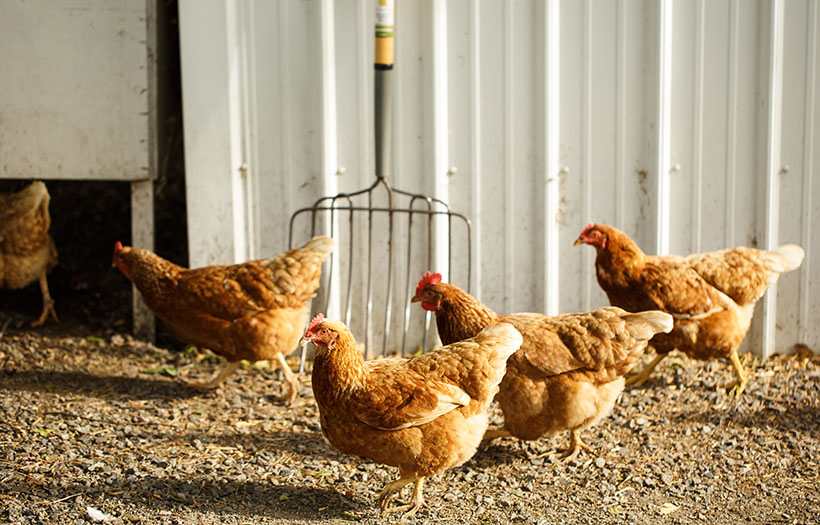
(362, 203)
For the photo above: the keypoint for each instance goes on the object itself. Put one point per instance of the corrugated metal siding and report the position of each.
(691, 125)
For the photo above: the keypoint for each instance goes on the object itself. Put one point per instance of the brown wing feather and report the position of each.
(405, 393)
(230, 292)
(674, 287)
(591, 341)
(740, 273)
(399, 396)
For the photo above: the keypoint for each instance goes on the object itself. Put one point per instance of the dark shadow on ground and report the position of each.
(302, 443)
(804, 418)
(248, 498)
(102, 387)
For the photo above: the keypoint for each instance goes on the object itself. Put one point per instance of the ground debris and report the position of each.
(83, 426)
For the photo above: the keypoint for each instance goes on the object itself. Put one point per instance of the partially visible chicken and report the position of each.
(253, 311)
(569, 370)
(711, 295)
(27, 251)
(423, 415)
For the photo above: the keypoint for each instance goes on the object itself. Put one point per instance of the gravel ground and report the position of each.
(94, 420)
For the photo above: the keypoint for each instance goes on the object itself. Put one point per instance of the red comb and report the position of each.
(427, 278)
(587, 228)
(315, 322)
(117, 247)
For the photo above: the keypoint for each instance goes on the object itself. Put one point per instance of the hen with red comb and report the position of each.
(314, 323)
(251, 311)
(424, 292)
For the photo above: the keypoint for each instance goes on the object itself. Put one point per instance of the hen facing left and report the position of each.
(711, 295)
(423, 415)
(251, 311)
(27, 251)
(569, 370)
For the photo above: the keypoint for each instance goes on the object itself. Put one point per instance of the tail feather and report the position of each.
(644, 325)
(503, 338)
(785, 258)
(319, 244)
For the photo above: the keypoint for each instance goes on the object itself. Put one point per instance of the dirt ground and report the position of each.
(95, 419)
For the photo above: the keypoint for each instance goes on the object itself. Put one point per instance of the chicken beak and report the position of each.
(578, 242)
(415, 299)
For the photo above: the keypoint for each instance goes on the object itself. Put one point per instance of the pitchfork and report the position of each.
(397, 203)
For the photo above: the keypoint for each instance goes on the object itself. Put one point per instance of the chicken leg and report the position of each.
(737, 386)
(48, 303)
(291, 379)
(394, 487)
(223, 374)
(641, 377)
(575, 446)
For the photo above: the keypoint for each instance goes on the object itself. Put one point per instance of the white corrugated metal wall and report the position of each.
(690, 124)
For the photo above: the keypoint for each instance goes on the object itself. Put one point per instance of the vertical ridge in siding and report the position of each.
(475, 143)
(620, 120)
(697, 132)
(773, 131)
(509, 152)
(284, 109)
(364, 100)
(250, 144)
(329, 145)
(586, 147)
(663, 131)
(808, 168)
(438, 127)
(731, 128)
(552, 123)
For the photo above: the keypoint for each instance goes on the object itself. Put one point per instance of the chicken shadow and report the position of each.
(249, 498)
(102, 387)
(805, 418)
(502, 452)
(300, 443)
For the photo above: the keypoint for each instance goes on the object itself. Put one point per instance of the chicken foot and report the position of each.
(394, 487)
(291, 379)
(576, 444)
(224, 373)
(737, 386)
(641, 377)
(48, 303)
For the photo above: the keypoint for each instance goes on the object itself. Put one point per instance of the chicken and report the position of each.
(27, 251)
(711, 295)
(253, 311)
(423, 415)
(569, 370)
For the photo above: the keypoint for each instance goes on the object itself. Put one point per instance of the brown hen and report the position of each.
(27, 251)
(423, 415)
(253, 311)
(569, 370)
(710, 295)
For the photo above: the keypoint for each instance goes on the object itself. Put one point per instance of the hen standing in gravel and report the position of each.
(711, 295)
(423, 415)
(27, 251)
(253, 311)
(569, 371)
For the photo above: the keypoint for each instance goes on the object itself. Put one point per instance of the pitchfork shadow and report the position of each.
(99, 386)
